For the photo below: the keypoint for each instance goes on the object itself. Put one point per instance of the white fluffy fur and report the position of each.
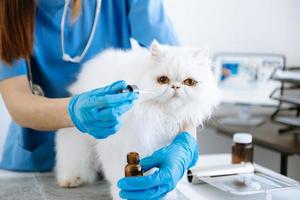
(154, 120)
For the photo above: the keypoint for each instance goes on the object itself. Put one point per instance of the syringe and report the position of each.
(134, 88)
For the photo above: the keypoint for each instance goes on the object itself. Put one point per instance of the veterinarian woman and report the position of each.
(56, 37)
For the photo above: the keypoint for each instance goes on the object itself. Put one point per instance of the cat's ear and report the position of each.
(157, 51)
(202, 53)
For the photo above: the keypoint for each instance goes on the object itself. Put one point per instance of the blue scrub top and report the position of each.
(144, 20)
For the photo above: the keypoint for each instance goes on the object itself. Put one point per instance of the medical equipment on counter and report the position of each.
(245, 80)
(241, 179)
(288, 96)
(242, 148)
(77, 59)
(219, 171)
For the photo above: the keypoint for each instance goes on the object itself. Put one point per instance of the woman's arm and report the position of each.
(33, 111)
(96, 112)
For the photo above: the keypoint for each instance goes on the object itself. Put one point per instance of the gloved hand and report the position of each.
(172, 162)
(98, 112)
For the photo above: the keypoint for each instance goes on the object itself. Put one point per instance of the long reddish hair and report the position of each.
(17, 19)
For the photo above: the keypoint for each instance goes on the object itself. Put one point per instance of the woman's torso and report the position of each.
(55, 74)
(31, 150)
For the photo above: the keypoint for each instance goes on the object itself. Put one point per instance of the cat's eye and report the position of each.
(190, 82)
(163, 80)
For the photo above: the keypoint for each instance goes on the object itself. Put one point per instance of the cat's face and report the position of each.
(179, 75)
(181, 78)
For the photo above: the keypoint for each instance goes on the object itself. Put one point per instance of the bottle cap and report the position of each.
(133, 158)
(242, 138)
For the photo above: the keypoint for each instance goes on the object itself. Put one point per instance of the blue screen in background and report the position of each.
(229, 69)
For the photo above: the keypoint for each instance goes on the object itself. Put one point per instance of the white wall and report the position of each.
(265, 26)
(269, 26)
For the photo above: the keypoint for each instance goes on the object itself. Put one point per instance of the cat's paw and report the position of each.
(70, 183)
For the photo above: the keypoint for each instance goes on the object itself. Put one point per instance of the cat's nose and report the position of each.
(175, 86)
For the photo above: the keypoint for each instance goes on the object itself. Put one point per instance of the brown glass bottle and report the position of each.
(133, 168)
(242, 148)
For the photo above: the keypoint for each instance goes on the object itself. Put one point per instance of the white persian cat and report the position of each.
(185, 92)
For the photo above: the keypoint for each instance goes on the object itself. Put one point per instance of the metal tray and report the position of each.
(261, 180)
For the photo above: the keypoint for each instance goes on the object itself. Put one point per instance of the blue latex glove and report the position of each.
(98, 112)
(172, 161)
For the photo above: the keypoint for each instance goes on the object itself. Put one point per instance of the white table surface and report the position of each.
(207, 192)
(36, 186)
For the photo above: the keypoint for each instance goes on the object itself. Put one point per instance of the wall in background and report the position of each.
(264, 26)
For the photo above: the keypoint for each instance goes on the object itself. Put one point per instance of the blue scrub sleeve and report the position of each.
(18, 68)
(148, 21)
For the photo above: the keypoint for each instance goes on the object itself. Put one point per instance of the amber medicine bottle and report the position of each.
(242, 148)
(133, 168)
